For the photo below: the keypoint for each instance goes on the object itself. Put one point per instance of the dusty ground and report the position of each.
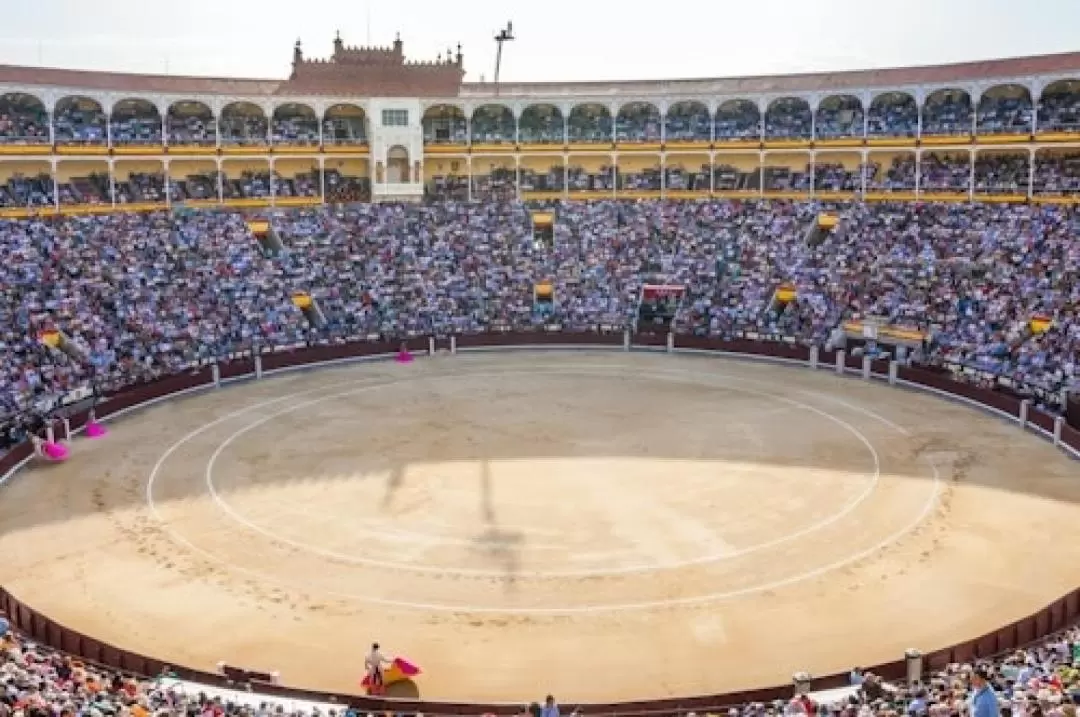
(598, 526)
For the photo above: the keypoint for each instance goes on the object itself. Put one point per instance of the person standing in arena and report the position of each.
(374, 664)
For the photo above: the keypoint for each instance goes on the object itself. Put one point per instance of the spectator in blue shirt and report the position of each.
(551, 709)
(984, 701)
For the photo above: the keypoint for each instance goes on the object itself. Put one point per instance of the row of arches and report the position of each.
(1008, 108)
(1003, 109)
(25, 119)
(293, 181)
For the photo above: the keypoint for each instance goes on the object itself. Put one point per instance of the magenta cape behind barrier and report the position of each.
(96, 430)
(55, 451)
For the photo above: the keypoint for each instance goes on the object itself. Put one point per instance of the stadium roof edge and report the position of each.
(1066, 63)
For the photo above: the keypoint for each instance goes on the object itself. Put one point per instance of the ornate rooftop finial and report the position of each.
(298, 53)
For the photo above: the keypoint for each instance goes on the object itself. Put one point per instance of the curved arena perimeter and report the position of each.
(744, 520)
(644, 518)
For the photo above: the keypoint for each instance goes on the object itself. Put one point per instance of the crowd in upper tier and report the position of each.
(25, 120)
(144, 294)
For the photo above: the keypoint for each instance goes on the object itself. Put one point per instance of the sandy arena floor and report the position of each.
(600, 526)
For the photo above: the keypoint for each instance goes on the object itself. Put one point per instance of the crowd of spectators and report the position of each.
(97, 188)
(688, 122)
(493, 125)
(892, 115)
(80, 122)
(23, 121)
(196, 129)
(145, 293)
(1056, 173)
(737, 119)
(839, 117)
(541, 124)
(1059, 108)
(296, 130)
(135, 124)
(243, 129)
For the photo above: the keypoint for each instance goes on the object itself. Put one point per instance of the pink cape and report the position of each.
(55, 451)
(96, 430)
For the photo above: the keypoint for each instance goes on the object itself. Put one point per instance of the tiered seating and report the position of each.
(974, 275)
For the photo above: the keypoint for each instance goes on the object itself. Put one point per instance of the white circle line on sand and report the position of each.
(638, 568)
(595, 609)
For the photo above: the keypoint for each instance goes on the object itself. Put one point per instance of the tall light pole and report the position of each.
(502, 36)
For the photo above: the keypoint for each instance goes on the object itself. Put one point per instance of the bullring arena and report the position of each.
(573, 518)
(714, 382)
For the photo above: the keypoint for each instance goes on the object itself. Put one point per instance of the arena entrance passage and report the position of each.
(657, 308)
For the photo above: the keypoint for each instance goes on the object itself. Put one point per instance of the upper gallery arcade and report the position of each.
(328, 105)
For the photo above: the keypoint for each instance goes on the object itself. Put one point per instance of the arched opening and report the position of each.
(638, 122)
(296, 124)
(590, 123)
(23, 119)
(839, 116)
(1002, 172)
(445, 124)
(135, 122)
(738, 120)
(345, 124)
(244, 124)
(191, 123)
(1005, 109)
(542, 124)
(397, 165)
(1057, 173)
(1059, 107)
(788, 118)
(688, 121)
(946, 172)
(893, 114)
(79, 120)
(493, 124)
(947, 112)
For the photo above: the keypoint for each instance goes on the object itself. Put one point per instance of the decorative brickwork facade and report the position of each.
(375, 72)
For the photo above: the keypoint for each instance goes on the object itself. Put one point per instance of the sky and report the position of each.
(556, 40)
